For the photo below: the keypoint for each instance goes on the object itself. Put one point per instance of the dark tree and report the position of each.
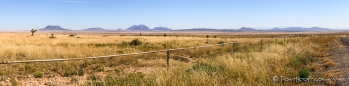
(33, 31)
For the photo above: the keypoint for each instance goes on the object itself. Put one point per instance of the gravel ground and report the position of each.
(342, 58)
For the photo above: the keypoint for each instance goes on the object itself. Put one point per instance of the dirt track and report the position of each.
(341, 57)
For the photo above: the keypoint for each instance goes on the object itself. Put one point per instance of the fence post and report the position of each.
(276, 40)
(233, 48)
(168, 59)
(284, 54)
(261, 44)
(284, 39)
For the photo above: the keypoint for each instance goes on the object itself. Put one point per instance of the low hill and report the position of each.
(138, 27)
(246, 29)
(301, 29)
(161, 28)
(53, 27)
(94, 29)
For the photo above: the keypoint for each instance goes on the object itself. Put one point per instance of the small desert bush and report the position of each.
(68, 73)
(117, 71)
(123, 43)
(301, 61)
(220, 42)
(38, 75)
(136, 42)
(200, 66)
(304, 73)
(29, 68)
(98, 68)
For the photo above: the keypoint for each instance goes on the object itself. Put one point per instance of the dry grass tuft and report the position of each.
(332, 74)
(327, 62)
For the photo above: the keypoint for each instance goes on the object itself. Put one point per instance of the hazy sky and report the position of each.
(175, 14)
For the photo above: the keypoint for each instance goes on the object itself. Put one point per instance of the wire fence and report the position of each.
(119, 55)
(149, 52)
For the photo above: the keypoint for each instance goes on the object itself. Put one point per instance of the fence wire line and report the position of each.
(111, 56)
(256, 41)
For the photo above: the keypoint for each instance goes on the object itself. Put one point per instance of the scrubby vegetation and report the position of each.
(243, 63)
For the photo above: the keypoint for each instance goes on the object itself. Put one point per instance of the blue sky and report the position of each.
(175, 14)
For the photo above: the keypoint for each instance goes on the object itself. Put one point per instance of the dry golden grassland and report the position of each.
(248, 65)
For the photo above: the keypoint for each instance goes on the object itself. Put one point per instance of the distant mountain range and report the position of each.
(210, 29)
(94, 29)
(246, 29)
(53, 27)
(161, 28)
(301, 29)
(146, 28)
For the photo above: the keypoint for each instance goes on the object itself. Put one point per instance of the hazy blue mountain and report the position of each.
(199, 29)
(161, 28)
(138, 27)
(246, 29)
(202, 28)
(301, 29)
(53, 27)
(94, 29)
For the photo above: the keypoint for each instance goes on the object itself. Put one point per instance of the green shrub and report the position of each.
(123, 43)
(301, 60)
(100, 45)
(220, 42)
(116, 70)
(29, 69)
(304, 73)
(200, 66)
(98, 68)
(55, 69)
(164, 45)
(136, 42)
(38, 75)
(69, 73)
